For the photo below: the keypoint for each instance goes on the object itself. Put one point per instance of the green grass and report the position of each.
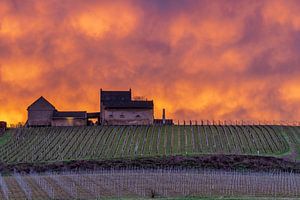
(5, 138)
(109, 142)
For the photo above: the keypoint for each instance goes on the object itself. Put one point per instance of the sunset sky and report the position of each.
(198, 59)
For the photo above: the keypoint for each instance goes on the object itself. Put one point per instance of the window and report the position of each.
(138, 116)
(122, 116)
(111, 116)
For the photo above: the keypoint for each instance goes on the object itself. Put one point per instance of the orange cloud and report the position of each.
(10, 27)
(22, 71)
(283, 13)
(197, 59)
(116, 20)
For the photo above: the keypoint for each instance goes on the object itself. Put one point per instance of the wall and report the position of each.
(69, 122)
(114, 116)
(101, 113)
(39, 117)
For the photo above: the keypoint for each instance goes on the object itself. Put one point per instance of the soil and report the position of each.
(224, 162)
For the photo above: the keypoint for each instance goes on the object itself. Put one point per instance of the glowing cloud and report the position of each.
(198, 59)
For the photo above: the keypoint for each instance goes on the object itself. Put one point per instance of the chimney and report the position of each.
(164, 116)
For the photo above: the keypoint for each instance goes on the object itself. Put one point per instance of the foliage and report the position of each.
(5, 138)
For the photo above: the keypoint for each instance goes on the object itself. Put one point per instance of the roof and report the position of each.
(130, 105)
(93, 115)
(41, 104)
(71, 114)
(115, 96)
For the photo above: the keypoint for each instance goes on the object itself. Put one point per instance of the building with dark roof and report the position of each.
(69, 118)
(40, 113)
(43, 113)
(3, 126)
(118, 108)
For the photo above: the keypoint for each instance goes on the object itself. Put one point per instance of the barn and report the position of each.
(40, 113)
(118, 108)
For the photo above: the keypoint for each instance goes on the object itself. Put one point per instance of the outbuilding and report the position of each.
(40, 113)
(69, 118)
(3, 127)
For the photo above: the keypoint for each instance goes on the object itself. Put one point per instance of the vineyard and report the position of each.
(25, 151)
(107, 142)
(149, 184)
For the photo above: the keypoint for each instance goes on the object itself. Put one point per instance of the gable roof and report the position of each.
(71, 114)
(41, 104)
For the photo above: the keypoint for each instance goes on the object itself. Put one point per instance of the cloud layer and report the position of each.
(197, 59)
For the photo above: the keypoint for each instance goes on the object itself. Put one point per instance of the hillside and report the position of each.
(32, 145)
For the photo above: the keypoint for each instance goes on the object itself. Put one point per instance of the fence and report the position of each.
(236, 122)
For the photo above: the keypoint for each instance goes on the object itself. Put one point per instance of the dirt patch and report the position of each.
(224, 162)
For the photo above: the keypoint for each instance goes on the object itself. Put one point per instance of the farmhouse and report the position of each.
(118, 108)
(43, 113)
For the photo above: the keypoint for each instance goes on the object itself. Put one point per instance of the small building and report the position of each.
(40, 113)
(3, 126)
(118, 108)
(43, 113)
(69, 118)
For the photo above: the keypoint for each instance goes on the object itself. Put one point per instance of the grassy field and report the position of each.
(107, 142)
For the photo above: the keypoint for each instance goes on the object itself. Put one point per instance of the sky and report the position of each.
(222, 60)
